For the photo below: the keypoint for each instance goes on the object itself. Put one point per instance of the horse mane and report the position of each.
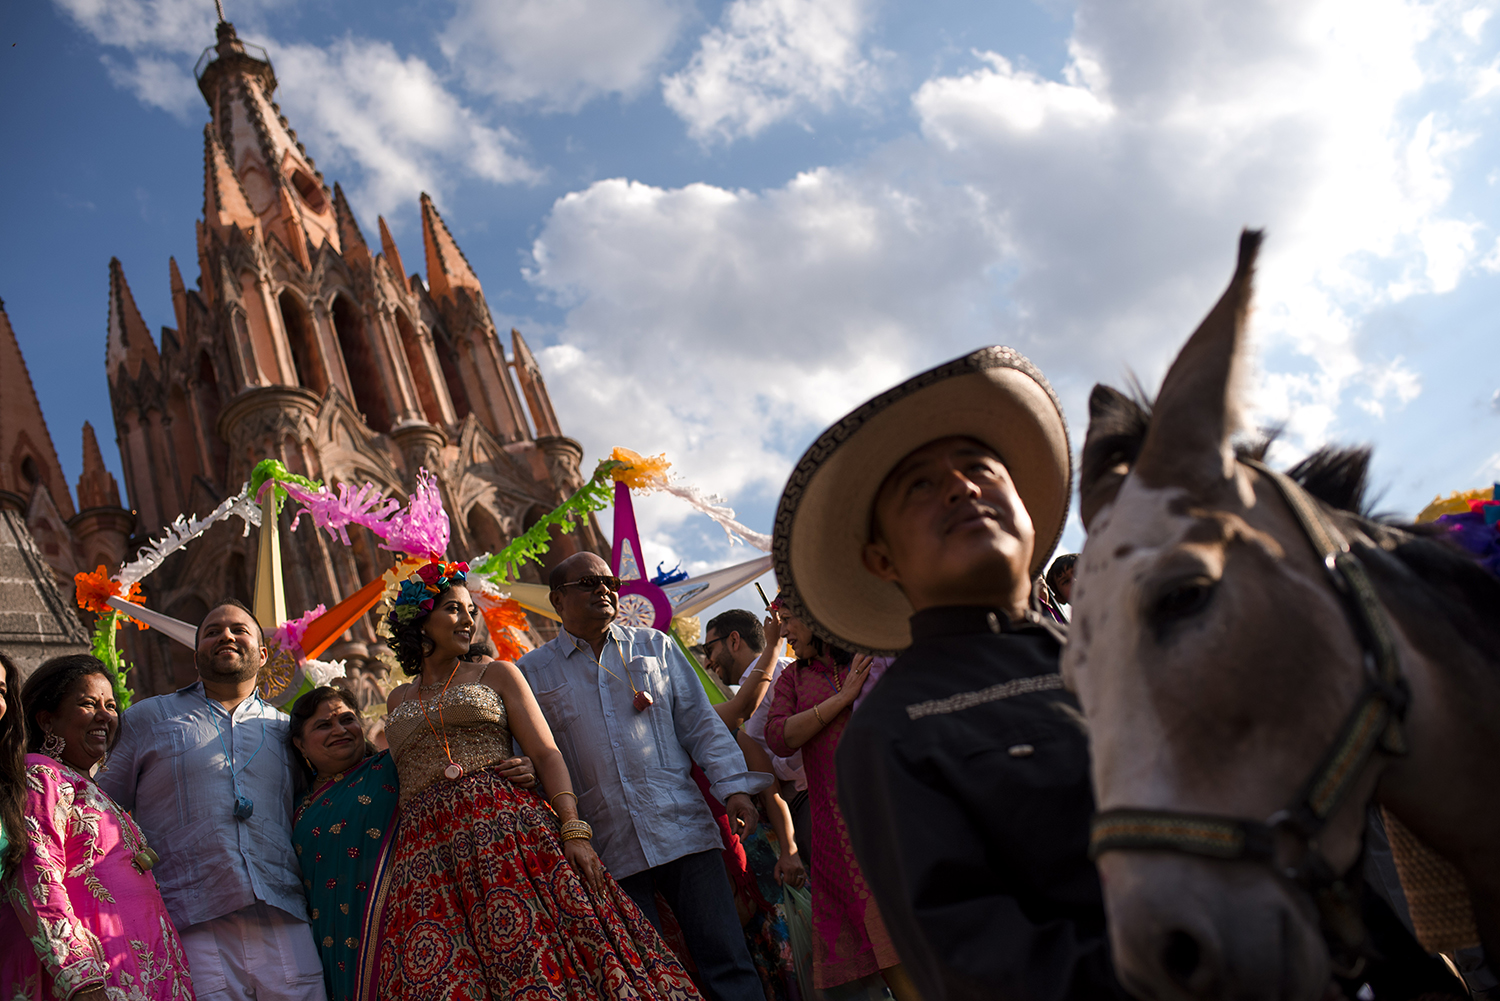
(1436, 588)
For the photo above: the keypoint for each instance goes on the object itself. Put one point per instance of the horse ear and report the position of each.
(1198, 407)
(1117, 426)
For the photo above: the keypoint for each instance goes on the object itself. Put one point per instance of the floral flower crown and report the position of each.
(419, 590)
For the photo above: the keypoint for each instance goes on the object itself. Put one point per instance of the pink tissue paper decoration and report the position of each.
(421, 529)
(289, 634)
(337, 511)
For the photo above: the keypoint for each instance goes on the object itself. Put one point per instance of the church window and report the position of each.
(416, 360)
(309, 190)
(484, 531)
(30, 471)
(302, 339)
(359, 362)
(206, 395)
(448, 361)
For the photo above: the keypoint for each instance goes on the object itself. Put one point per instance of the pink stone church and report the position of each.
(299, 342)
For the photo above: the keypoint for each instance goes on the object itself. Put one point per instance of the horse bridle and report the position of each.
(1373, 724)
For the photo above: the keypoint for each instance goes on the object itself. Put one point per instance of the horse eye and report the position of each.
(1182, 601)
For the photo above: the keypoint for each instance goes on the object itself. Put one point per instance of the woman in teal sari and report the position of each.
(343, 831)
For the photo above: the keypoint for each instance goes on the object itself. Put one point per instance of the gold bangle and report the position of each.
(821, 720)
(565, 792)
(576, 830)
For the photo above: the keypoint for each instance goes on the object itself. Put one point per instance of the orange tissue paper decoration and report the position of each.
(506, 619)
(640, 472)
(94, 590)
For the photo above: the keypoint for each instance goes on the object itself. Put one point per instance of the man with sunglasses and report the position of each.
(631, 718)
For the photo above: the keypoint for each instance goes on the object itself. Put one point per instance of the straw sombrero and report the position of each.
(994, 395)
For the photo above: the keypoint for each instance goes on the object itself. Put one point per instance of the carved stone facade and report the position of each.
(44, 541)
(299, 343)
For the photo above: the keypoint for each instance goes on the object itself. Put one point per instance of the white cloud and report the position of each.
(159, 82)
(1473, 22)
(768, 60)
(1089, 220)
(561, 53)
(1122, 186)
(356, 102)
(720, 326)
(954, 108)
(174, 26)
(359, 102)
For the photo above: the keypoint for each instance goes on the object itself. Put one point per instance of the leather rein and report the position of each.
(1373, 724)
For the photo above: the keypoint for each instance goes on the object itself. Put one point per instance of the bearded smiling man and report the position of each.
(206, 773)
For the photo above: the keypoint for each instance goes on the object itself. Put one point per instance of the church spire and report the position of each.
(392, 255)
(529, 374)
(97, 486)
(350, 237)
(224, 200)
(130, 343)
(447, 268)
(280, 182)
(27, 458)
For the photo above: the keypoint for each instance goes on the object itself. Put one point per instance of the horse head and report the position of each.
(1215, 663)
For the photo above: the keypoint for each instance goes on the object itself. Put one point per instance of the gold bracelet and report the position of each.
(576, 830)
(565, 792)
(821, 721)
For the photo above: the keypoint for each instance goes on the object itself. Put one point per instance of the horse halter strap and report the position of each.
(1374, 723)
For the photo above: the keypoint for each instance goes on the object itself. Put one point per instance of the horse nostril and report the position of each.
(1181, 956)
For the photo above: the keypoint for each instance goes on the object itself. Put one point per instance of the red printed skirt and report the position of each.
(482, 904)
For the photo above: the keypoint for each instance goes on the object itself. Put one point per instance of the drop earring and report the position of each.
(53, 746)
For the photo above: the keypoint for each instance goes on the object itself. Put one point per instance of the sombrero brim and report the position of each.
(994, 395)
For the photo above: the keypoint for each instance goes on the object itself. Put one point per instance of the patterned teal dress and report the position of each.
(342, 833)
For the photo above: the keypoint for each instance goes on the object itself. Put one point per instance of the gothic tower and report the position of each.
(302, 344)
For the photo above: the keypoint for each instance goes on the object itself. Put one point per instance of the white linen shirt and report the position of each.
(170, 770)
(787, 769)
(632, 770)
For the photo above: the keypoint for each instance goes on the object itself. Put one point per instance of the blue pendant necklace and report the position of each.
(244, 806)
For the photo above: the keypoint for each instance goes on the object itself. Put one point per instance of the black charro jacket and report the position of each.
(964, 779)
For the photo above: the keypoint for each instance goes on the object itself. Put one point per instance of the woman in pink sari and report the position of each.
(812, 704)
(85, 921)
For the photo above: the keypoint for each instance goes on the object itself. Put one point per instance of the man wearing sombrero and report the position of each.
(917, 525)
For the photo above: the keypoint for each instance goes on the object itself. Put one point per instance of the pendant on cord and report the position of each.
(642, 701)
(454, 770)
(243, 808)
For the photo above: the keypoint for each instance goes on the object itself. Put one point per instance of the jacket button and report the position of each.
(1021, 751)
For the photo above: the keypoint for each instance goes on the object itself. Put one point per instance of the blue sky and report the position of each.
(724, 224)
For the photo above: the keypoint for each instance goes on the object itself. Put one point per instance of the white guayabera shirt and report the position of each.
(171, 771)
(632, 769)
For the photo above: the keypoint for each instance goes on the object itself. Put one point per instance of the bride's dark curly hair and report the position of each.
(412, 646)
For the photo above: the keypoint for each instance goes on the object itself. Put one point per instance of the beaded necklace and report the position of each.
(454, 770)
(639, 698)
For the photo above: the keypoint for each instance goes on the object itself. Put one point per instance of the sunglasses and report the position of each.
(591, 581)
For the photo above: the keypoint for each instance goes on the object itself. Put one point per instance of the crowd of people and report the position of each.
(586, 823)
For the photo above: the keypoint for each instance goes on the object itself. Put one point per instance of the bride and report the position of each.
(492, 894)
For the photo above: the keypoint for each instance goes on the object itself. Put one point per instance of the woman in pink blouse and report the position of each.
(813, 702)
(85, 921)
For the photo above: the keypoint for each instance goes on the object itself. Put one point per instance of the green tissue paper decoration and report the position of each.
(105, 647)
(595, 495)
(275, 471)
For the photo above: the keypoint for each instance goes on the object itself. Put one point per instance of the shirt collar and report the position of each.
(572, 644)
(968, 620)
(197, 688)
